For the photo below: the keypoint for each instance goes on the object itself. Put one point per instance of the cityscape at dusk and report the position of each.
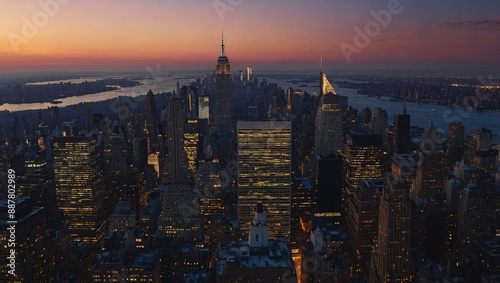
(235, 141)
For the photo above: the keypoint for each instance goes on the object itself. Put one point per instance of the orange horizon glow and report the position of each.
(126, 35)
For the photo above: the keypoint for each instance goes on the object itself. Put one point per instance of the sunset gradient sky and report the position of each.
(108, 35)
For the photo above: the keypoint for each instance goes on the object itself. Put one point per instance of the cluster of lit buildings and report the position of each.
(236, 181)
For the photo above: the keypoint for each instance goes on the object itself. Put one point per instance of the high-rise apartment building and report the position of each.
(264, 166)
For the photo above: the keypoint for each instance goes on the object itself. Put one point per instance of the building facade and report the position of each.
(264, 166)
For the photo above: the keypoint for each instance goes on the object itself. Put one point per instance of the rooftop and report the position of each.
(242, 256)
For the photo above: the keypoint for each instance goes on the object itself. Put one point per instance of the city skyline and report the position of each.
(182, 35)
(277, 175)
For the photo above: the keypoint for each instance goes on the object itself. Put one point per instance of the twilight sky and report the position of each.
(446, 36)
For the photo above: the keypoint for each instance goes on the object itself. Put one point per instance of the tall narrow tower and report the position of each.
(328, 137)
(401, 143)
(223, 122)
(249, 73)
(152, 123)
(176, 156)
(257, 238)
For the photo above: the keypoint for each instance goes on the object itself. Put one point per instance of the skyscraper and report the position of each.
(363, 157)
(180, 220)
(209, 186)
(476, 140)
(79, 188)
(249, 73)
(264, 165)
(34, 255)
(38, 184)
(177, 165)
(431, 171)
(329, 134)
(456, 141)
(330, 181)
(379, 122)
(401, 142)
(152, 123)
(192, 144)
(223, 118)
(362, 222)
(391, 258)
(203, 107)
(471, 217)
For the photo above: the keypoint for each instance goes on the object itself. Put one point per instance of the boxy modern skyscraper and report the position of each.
(264, 160)
(79, 188)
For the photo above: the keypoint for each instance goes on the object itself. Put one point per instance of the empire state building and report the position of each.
(223, 120)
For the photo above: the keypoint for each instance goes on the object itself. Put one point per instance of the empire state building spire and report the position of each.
(222, 53)
(222, 118)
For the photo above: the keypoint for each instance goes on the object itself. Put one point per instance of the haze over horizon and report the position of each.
(423, 37)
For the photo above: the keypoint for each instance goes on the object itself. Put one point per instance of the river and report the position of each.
(420, 114)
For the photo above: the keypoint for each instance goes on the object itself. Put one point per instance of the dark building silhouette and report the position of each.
(401, 142)
(456, 141)
(475, 141)
(34, 253)
(152, 123)
(330, 180)
(38, 184)
(177, 165)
